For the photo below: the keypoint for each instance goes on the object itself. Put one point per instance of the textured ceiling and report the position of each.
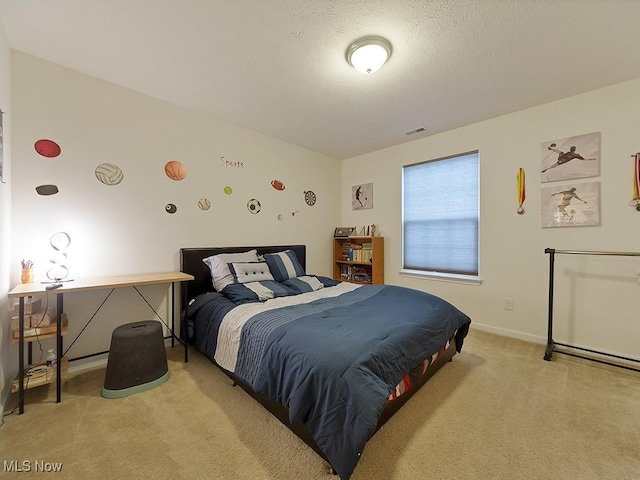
(278, 66)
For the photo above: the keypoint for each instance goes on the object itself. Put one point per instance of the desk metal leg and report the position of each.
(59, 347)
(173, 314)
(21, 355)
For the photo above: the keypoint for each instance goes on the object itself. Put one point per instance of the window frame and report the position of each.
(437, 275)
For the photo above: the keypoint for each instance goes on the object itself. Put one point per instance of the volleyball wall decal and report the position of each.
(170, 208)
(254, 206)
(175, 170)
(204, 204)
(277, 184)
(47, 190)
(47, 148)
(109, 174)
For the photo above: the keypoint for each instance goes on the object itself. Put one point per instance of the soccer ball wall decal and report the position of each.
(253, 206)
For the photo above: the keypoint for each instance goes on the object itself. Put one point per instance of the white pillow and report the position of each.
(221, 276)
(245, 272)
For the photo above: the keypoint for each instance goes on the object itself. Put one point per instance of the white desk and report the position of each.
(80, 285)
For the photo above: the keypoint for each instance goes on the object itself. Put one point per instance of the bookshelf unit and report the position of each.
(359, 260)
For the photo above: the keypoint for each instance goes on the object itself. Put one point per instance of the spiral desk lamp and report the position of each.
(59, 271)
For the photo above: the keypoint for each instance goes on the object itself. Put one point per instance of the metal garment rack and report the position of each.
(551, 344)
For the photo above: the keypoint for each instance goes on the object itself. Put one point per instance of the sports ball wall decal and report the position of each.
(109, 174)
(47, 190)
(47, 148)
(204, 204)
(170, 208)
(175, 170)
(254, 206)
(310, 198)
(277, 184)
(228, 190)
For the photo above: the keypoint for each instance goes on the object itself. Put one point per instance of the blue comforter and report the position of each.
(331, 359)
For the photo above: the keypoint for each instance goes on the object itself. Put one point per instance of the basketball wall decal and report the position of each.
(204, 204)
(175, 170)
(277, 184)
(109, 174)
(47, 148)
(47, 189)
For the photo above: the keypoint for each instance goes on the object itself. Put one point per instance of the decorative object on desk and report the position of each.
(253, 206)
(362, 233)
(570, 158)
(571, 205)
(175, 170)
(109, 174)
(27, 271)
(521, 190)
(362, 196)
(635, 202)
(342, 231)
(47, 148)
(170, 208)
(59, 241)
(46, 190)
(310, 198)
(373, 230)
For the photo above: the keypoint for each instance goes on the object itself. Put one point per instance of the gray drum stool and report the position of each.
(137, 359)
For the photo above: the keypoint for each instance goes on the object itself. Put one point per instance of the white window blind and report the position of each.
(440, 219)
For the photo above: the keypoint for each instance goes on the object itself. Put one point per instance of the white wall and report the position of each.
(596, 298)
(124, 228)
(5, 218)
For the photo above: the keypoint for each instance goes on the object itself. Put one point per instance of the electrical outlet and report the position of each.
(508, 303)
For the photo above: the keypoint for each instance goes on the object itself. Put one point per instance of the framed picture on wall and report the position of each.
(571, 205)
(362, 196)
(571, 157)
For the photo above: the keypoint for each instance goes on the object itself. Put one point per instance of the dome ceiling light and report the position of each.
(369, 54)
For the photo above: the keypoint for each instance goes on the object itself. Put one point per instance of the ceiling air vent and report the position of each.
(417, 130)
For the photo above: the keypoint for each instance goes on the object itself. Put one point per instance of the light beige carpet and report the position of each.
(498, 411)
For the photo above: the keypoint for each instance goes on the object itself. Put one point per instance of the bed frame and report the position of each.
(191, 262)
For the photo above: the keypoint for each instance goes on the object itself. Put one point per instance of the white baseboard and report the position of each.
(527, 337)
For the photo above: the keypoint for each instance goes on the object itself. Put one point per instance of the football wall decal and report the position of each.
(277, 184)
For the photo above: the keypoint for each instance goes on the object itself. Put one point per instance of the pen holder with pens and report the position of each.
(27, 275)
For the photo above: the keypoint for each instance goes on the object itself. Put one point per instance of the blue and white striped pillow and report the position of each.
(284, 265)
(240, 293)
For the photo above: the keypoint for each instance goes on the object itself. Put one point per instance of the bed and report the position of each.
(331, 360)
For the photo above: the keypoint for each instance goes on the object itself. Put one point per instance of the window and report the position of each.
(440, 216)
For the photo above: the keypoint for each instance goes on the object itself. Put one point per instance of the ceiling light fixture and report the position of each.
(369, 54)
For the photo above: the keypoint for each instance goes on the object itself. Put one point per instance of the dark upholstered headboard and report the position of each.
(191, 262)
